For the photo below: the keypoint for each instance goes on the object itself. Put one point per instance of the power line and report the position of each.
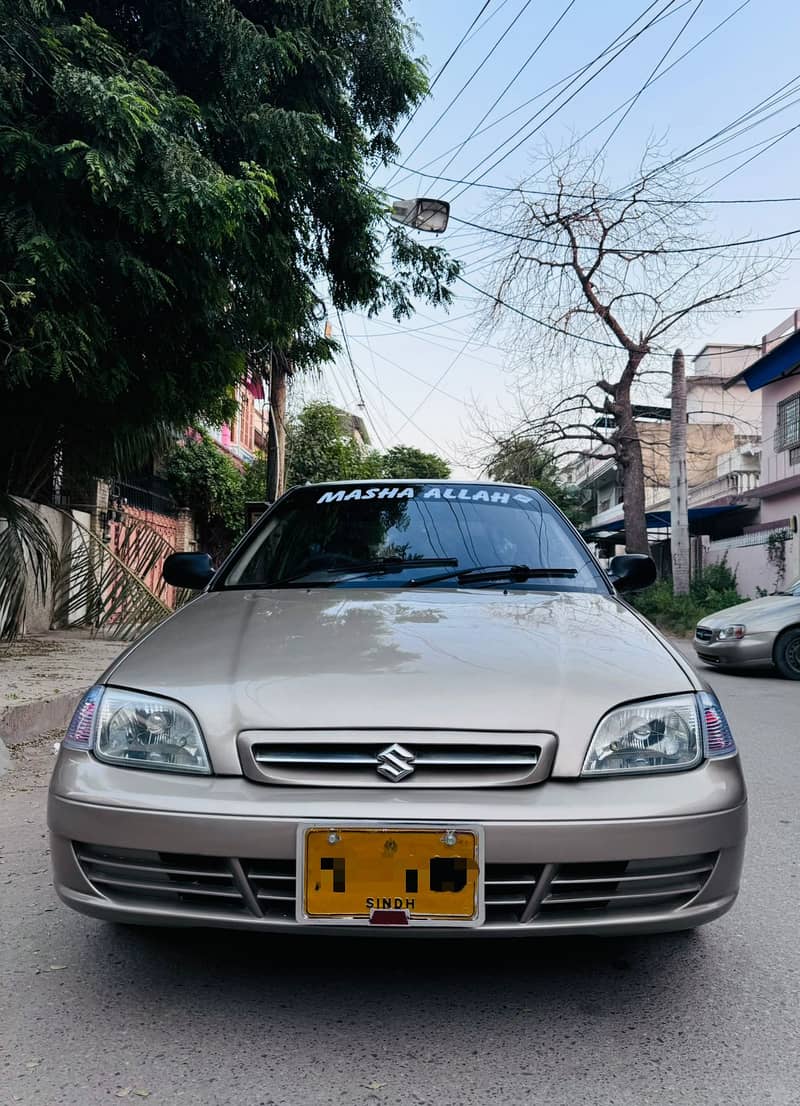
(350, 358)
(467, 83)
(543, 92)
(409, 420)
(510, 84)
(622, 250)
(651, 77)
(441, 70)
(509, 188)
(437, 384)
(658, 76)
(415, 376)
(621, 49)
(568, 333)
(744, 117)
(29, 64)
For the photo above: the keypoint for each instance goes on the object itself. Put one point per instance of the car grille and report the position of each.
(514, 893)
(404, 760)
(702, 633)
(638, 885)
(204, 882)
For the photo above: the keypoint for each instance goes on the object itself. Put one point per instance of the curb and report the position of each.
(29, 721)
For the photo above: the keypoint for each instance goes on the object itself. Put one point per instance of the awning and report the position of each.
(661, 520)
(782, 360)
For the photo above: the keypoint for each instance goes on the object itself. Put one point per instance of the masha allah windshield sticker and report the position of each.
(471, 495)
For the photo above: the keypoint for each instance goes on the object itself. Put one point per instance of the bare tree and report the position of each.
(597, 282)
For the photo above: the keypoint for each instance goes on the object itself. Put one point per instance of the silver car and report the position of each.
(760, 633)
(402, 707)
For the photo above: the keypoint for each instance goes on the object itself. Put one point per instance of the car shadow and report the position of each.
(348, 979)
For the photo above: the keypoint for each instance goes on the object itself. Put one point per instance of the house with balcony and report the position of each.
(766, 555)
(246, 433)
(723, 458)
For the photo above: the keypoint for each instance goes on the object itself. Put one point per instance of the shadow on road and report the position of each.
(401, 976)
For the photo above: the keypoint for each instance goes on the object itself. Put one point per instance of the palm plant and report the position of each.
(106, 590)
(28, 563)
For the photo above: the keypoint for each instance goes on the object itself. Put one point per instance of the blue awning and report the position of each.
(783, 360)
(662, 520)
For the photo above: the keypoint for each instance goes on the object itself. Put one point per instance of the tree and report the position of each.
(319, 447)
(597, 280)
(404, 461)
(520, 460)
(176, 181)
(207, 481)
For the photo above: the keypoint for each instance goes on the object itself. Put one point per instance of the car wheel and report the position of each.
(787, 654)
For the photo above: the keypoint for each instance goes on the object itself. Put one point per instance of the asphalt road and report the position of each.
(93, 1013)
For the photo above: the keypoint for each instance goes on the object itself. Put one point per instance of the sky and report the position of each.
(432, 381)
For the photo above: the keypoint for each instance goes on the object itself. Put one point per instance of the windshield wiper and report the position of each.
(486, 573)
(382, 565)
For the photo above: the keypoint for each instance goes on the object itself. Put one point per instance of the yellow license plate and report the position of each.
(392, 875)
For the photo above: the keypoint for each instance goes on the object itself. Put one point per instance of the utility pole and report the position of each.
(678, 487)
(280, 370)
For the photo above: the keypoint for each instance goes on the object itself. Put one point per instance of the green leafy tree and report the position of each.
(522, 461)
(254, 482)
(319, 447)
(404, 461)
(206, 480)
(176, 179)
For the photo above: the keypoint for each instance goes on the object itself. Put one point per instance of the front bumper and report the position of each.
(569, 856)
(752, 650)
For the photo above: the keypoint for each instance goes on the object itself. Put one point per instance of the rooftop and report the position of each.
(780, 356)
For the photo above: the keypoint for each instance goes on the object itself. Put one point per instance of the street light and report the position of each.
(422, 214)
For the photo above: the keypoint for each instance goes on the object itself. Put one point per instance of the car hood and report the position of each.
(771, 612)
(376, 659)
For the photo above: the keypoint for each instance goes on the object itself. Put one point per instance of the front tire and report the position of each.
(787, 654)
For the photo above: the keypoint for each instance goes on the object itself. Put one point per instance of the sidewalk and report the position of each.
(42, 678)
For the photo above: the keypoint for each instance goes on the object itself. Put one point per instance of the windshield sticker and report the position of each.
(481, 495)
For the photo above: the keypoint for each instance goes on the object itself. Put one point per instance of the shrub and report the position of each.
(711, 590)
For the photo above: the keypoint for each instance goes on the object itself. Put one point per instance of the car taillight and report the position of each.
(717, 736)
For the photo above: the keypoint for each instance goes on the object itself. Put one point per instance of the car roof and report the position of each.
(414, 480)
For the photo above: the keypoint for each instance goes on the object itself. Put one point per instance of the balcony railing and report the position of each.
(732, 483)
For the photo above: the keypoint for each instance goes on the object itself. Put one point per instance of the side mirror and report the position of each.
(188, 570)
(632, 571)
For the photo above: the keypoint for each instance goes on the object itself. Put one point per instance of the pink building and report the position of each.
(767, 555)
(244, 435)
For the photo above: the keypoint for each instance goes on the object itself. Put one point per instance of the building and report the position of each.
(766, 553)
(722, 457)
(246, 434)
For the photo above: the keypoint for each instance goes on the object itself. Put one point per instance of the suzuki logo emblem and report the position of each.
(395, 763)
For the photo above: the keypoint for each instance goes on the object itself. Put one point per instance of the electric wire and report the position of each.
(441, 70)
(457, 150)
(542, 92)
(632, 104)
(592, 76)
(466, 84)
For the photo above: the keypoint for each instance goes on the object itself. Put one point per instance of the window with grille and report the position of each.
(794, 455)
(788, 431)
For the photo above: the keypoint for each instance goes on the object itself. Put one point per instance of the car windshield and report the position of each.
(390, 535)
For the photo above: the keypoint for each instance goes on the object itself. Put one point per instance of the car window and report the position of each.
(331, 536)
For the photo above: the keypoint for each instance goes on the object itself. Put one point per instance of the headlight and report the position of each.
(660, 735)
(729, 633)
(141, 731)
